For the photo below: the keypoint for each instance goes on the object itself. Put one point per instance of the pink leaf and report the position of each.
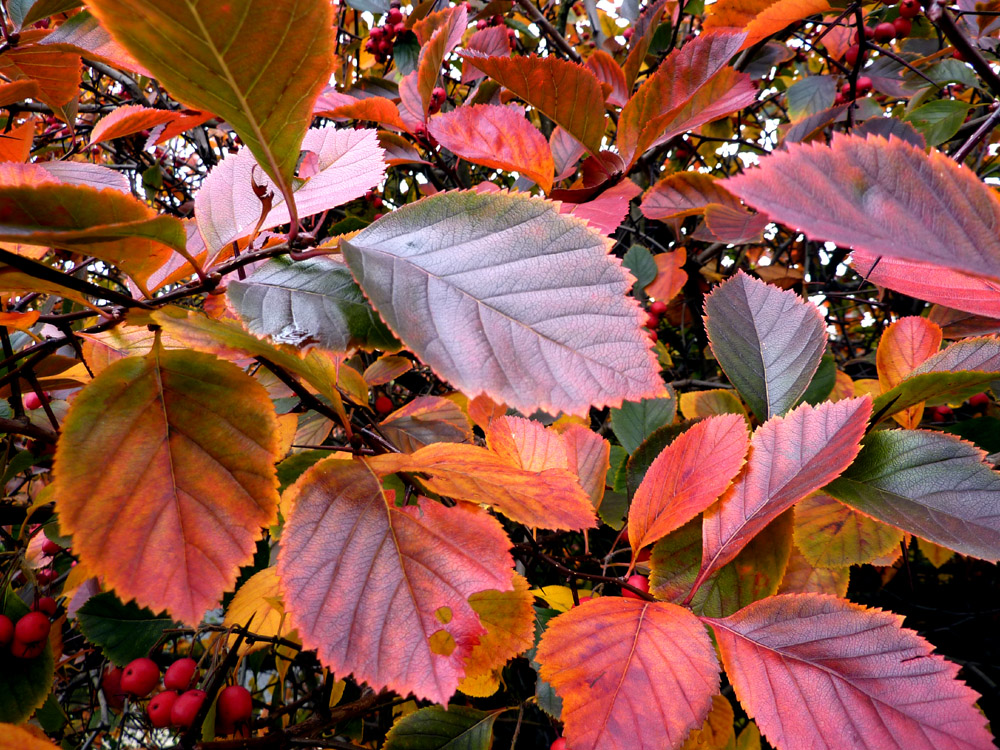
(687, 477)
(790, 457)
(820, 672)
(881, 196)
(489, 42)
(350, 162)
(607, 211)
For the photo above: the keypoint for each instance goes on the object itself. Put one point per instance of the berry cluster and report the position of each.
(178, 704)
(27, 637)
(882, 33)
(380, 38)
(47, 574)
(656, 309)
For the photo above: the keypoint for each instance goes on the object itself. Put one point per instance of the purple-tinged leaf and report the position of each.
(931, 484)
(768, 341)
(819, 672)
(502, 295)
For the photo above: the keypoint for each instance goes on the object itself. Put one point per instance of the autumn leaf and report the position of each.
(886, 197)
(962, 291)
(164, 476)
(548, 498)
(801, 577)
(443, 727)
(686, 477)
(670, 275)
(790, 457)
(26, 737)
(104, 223)
(258, 602)
(794, 651)
(832, 535)
(426, 420)
(509, 619)
(130, 120)
(349, 162)
(631, 674)
(931, 484)
(82, 34)
(489, 42)
(350, 557)
(768, 341)
(439, 34)
(684, 194)
(56, 73)
(691, 87)
(610, 74)
(569, 94)
(642, 37)
(588, 455)
(904, 345)
(496, 136)
(759, 18)
(559, 298)
(698, 404)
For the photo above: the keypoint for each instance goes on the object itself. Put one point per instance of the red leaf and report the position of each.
(567, 93)
(380, 591)
(886, 197)
(489, 42)
(820, 672)
(588, 455)
(130, 120)
(933, 283)
(734, 226)
(689, 475)
(566, 152)
(448, 26)
(691, 87)
(606, 212)
(496, 136)
(56, 73)
(373, 109)
(610, 74)
(684, 194)
(642, 37)
(632, 675)
(790, 457)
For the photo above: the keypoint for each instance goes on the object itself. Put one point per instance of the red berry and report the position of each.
(383, 405)
(497, 20)
(185, 708)
(180, 675)
(864, 84)
(111, 686)
(160, 707)
(637, 581)
(395, 16)
(658, 308)
(6, 631)
(384, 47)
(903, 27)
(50, 548)
(439, 95)
(884, 32)
(31, 401)
(140, 677)
(979, 400)
(941, 413)
(627, 33)
(481, 24)
(652, 336)
(652, 320)
(851, 56)
(371, 47)
(22, 650)
(909, 8)
(33, 628)
(839, 99)
(45, 576)
(235, 705)
(400, 28)
(377, 202)
(376, 33)
(958, 55)
(559, 744)
(47, 605)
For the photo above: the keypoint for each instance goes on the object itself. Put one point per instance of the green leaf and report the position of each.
(26, 682)
(822, 382)
(637, 420)
(939, 120)
(810, 95)
(406, 52)
(753, 574)
(928, 483)
(26, 12)
(313, 301)
(123, 631)
(443, 728)
(640, 262)
(295, 466)
(983, 431)
(257, 64)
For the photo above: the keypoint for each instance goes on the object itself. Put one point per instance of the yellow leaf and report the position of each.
(259, 598)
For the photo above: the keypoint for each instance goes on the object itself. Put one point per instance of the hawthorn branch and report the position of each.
(45, 273)
(981, 132)
(549, 30)
(938, 14)
(24, 427)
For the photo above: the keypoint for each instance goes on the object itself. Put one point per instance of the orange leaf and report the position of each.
(18, 91)
(496, 136)
(759, 18)
(15, 146)
(381, 591)
(130, 120)
(373, 109)
(551, 499)
(26, 737)
(527, 445)
(904, 345)
(443, 31)
(632, 675)
(568, 93)
(426, 420)
(610, 74)
(691, 87)
(82, 34)
(790, 457)
(483, 410)
(698, 404)
(386, 368)
(18, 321)
(686, 477)
(589, 455)
(509, 619)
(56, 73)
(164, 476)
(670, 277)
(684, 194)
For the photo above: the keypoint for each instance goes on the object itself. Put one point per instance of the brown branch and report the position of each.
(24, 427)
(942, 18)
(549, 30)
